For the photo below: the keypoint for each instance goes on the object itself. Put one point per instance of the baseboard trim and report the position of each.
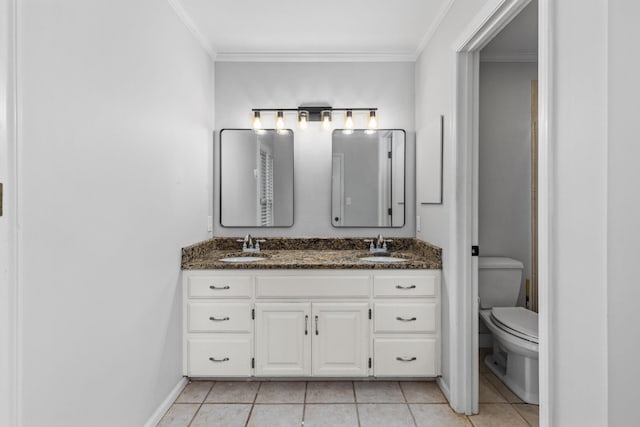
(166, 403)
(444, 387)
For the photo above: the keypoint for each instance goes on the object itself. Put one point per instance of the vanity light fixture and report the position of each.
(303, 118)
(326, 119)
(257, 122)
(348, 119)
(280, 120)
(373, 120)
(321, 114)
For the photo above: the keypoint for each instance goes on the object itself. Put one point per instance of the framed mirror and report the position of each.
(256, 178)
(368, 178)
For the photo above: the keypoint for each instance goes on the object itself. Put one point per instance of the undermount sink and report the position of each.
(242, 259)
(383, 259)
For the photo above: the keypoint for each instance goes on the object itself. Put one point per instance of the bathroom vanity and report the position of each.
(311, 308)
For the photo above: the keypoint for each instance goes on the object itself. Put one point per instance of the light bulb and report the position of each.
(280, 120)
(326, 119)
(348, 121)
(373, 121)
(303, 119)
(257, 122)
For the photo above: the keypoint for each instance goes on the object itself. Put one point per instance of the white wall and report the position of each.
(388, 86)
(593, 374)
(622, 216)
(435, 76)
(504, 211)
(578, 287)
(115, 135)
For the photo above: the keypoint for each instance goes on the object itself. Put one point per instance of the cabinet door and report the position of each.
(340, 339)
(283, 339)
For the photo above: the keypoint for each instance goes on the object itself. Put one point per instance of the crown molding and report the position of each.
(442, 12)
(192, 27)
(313, 57)
(509, 57)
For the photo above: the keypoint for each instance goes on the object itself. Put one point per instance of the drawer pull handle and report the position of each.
(213, 359)
(405, 287)
(218, 288)
(222, 319)
(316, 325)
(405, 359)
(410, 319)
(306, 324)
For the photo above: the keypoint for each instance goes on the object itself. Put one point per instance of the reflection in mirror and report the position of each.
(256, 178)
(367, 186)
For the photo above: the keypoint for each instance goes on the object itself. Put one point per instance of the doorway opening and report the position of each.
(473, 40)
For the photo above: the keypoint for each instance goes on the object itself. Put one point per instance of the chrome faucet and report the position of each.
(248, 244)
(378, 245)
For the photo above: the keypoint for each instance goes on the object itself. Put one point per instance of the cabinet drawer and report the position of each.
(316, 287)
(408, 317)
(219, 357)
(405, 286)
(219, 286)
(405, 357)
(219, 317)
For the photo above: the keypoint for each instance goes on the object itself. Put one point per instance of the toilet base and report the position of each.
(519, 373)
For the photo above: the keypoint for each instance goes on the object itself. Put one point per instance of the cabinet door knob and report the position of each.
(222, 319)
(405, 359)
(405, 287)
(218, 288)
(316, 325)
(306, 324)
(404, 319)
(213, 359)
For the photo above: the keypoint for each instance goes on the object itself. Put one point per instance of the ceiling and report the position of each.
(304, 27)
(518, 40)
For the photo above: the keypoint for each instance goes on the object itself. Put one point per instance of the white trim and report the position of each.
(10, 404)
(192, 27)
(546, 180)
(314, 57)
(491, 20)
(166, 403)
(435, 24)
(444, 387)
(510, 57)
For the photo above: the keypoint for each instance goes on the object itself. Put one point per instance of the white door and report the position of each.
(283, 339)
(340, 339)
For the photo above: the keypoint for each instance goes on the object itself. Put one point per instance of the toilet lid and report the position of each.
(518, 321)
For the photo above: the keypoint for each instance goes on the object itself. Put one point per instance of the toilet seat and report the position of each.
(517, 321)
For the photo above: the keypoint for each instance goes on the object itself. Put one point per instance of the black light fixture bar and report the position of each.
(315, 112)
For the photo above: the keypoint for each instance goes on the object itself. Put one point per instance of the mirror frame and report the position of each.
(293, 183)
(404, 184)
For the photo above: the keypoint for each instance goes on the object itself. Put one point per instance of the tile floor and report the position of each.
(341, 403)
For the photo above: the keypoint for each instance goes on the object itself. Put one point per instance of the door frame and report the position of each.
(489, 21)
(9, 238)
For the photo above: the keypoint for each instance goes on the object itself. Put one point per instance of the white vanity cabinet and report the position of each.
(317, 339)
(311, 323)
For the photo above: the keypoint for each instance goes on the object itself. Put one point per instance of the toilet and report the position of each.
(514, 330)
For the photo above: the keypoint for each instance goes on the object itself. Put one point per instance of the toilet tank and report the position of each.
(499, 281)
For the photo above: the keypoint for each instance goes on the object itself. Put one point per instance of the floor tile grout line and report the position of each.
(406, 402)
(355, 402)
(304, 401)
(195, 414)
(253, 404)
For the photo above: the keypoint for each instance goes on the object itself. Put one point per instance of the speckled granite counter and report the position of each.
(310, 253)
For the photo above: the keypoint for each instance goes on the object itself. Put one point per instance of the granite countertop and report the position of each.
(310, 253)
